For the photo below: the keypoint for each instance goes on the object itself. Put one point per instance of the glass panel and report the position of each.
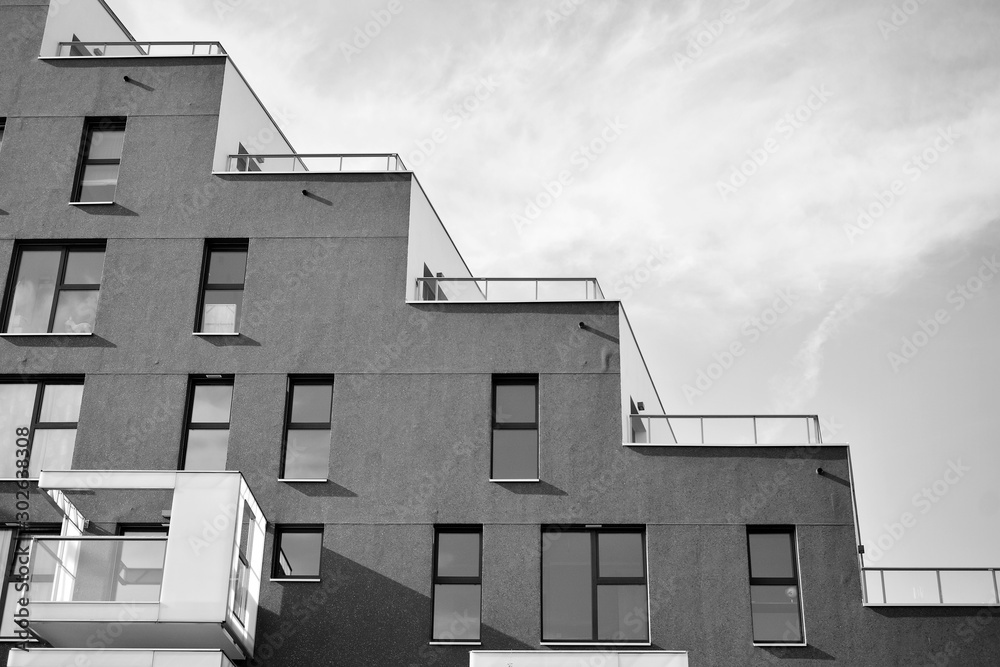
(967, 587)
(76, 311)
(771, 555)
(911, 587)
(784, 431)
(298, 554)
(620, 555)
(686, 430)
(206, 449)
(307, 455)
(456, 611)
(17, 402)
(311, 403)
(32, 302)
(566, 587)
(51, 449)
(84, 267)
(99, 182)
(622, 612)
(227, 267)
(106, 144)
(458, 554)
(873, 586)
(61, 403)
(8, 628)
(140, 571)
(775, 611)
(515, 454)
(727, 431)
(212, 403)
(221, 313)
(515, 404)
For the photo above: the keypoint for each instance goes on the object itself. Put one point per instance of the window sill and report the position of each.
(209, 333)
(772, 644)
(433, 643)
(296, 480)
(518, 481)
(582, 643)
(91, 203)
(21, 335)
(297, 581)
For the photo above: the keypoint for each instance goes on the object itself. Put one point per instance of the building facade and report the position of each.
(256, 409)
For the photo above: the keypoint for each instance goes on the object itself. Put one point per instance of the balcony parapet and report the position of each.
(137, 49)
(724, 430)
(315, 163)
(923, 587)
(509, 290)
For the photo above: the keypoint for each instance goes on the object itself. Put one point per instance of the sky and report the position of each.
(813, 180)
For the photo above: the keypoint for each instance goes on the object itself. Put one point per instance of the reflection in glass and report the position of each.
(212, 403)
(311, 403)
(140, 569)
(307, 454)
(775, 612)
(227, 267)
(98, 183)
(566, 587)
(36, 280)
(206, 449)
(515, 403)
(106, 144)
(84, 267)
(76, 311)
(458, 554)
(51, 449)
(61, 403)
(515, 454)
(298, 553)
(456, 611)
(622, 612)
(17, 402)
(620, 555)
(771, 555)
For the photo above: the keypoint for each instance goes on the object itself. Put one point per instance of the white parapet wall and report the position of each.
(578, 659)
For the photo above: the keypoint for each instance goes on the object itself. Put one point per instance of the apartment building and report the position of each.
(256, 409)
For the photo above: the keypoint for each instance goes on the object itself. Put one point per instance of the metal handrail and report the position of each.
(392, 160)
(940, 587)
(814, 419)
(592, 288)
(214, 48)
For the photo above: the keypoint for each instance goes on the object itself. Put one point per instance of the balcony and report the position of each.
(102, 657)
(578, 658)
(517, 290)
(138, 49)
(317, 163)
(900, 587)
(195, 588)
(724, 430)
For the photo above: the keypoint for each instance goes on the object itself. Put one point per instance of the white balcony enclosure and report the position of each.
(578, 659)
(194, 588)
(50, 657)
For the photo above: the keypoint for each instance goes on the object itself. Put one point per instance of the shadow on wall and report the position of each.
(356, 616)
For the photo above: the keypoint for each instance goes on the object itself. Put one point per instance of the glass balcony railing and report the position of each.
(927, 587)
(508, 289)
(96, 569)
(725, 429)
(283, 163)
(130, 49)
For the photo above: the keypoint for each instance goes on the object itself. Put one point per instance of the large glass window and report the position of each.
(55, 289)
(594, 586)
(775, 603)
(297, 551)
(515, 428)
(101, 156)
(15, 548)
(3, 123)
(38, 424)
(307, 429)
(210, 401)
(139, 567)
(221, 300)
(458, 583)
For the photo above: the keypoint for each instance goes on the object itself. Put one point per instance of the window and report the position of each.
(39, 416)
(100, 158)
(206, 441)
(297, 552)
(241, 594)
(594, 585)
(54, 288)
(221, 300)
(515, 428)
(139, 565)
(307, 429)
(775, 603)
(458, 583)
(3, 124)
(15, 547)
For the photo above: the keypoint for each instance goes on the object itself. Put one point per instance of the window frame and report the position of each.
(102, 123)
(7, 577)
(204, 380)
(64, 248)
(595, 581)
(281, 529)
(502, 379)
(3, 127)
(292, 382)
(211, 246)
(40, 383)
(795, 580)
(437, 580)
